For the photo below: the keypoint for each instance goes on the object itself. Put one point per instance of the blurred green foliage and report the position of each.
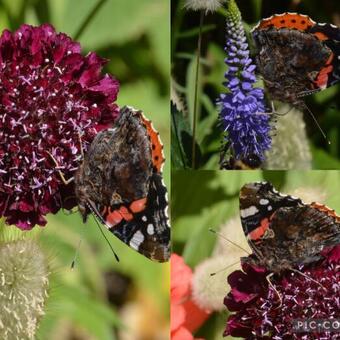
(325, 105)
(86, 303)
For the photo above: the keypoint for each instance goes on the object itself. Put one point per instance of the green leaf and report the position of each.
(132, 25)
(85, 311)
(42, 11)
(195, 31)
(217, 67)
(214, 328)
(322, 160)
(200, 237)
(181, 140)
(159, 33)
(205, 126)
(190, 89)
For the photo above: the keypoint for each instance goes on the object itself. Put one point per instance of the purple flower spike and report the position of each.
(52, 101)
(242, 110)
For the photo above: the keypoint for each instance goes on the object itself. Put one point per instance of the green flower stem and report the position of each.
(88, 19)
(194, 122)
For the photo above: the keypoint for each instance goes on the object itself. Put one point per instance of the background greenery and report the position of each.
(92, 301)
(325, 105)
(206, 199)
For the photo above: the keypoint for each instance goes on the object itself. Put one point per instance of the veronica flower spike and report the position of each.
(242, 109)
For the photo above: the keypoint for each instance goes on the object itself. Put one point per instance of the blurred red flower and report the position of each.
(186, 316)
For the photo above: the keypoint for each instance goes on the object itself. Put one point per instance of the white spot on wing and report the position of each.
(166, 212)
(264, 201)
(150, 229)
(136, 240)
(144, 218)
(252, 210)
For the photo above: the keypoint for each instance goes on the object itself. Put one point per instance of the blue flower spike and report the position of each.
(243, 113)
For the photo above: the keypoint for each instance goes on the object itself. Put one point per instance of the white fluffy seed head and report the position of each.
(206, 5)
(23, 288)
(232, 230)
(209, 291)
(310, 194)
(293, 155)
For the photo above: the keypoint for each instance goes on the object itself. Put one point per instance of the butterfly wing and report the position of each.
(120, 181)
(330, 35)
(282, 230)
(295, 56)
(142, 224)
(258, 202)
(301, 233)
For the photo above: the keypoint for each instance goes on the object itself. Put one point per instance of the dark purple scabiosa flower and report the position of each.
(242, 110)
(258, 313)
(53, 101)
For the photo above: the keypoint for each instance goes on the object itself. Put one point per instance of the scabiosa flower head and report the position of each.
(206, 5)
(242, 109)
(258, 313)
(52, 101)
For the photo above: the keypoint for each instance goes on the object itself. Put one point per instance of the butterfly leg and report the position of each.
(271, 112)
(81, 145)
(64, 180)
(276, 113)
(268, 277)
(308, 277)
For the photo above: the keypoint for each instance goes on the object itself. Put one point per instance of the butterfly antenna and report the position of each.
(225, 268)
(225, 238)
(76, 254)
(77, 249)
(316, 122)
(108, 242)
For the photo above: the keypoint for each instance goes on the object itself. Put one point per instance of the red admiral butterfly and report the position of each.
(120, 182)
(296, 56)
(282, 231)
